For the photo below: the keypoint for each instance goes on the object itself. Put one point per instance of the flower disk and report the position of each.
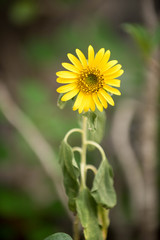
(90, 80)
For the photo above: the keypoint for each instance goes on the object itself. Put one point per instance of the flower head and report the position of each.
(90, 80)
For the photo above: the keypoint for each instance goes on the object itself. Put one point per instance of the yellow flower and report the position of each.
(90, 80)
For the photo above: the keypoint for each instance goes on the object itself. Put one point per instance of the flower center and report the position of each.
(90, 80)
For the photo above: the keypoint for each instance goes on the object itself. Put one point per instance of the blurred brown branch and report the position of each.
(148, 135)
(149, 14)
(27, 179)
(149, 128)
(33, 137)
(124, 150)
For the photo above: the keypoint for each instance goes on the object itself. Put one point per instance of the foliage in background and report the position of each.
(145, 40)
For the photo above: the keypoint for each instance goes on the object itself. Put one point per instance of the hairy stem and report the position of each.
(98, 147)
(70, 132)
(83, 155)
(103, 220)
(91, 167)
(76, 232)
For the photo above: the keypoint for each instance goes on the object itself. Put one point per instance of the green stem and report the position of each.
(91, 167)
(76, 232)
(77, 149)
(83, 154)
(98, 147)
(103, 215)
(70, 132)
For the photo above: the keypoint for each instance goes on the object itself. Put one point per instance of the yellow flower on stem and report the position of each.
(90, 80)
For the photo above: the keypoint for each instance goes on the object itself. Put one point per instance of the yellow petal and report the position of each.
(92, 104)
(66, 74)
(108, 65)
(112, 70)
(113, 82)
(97, 102)
(66, 88)
(75, 61)
(66, 80)
(107, 96)
(87, 103)
(70, 95)
(81, 107)
(78, 101)
(90, 55)
(70, 67)
(112, 90)
(114, 75)
(98, 57)
(81, 57)
(102, 100)
(104, 59)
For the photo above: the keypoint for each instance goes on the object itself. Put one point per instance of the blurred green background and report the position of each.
(35, 37)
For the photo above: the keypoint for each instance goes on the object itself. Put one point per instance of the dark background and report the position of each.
(35, 37)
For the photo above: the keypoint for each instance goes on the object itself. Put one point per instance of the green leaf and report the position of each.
(60, 103)
(92, 120)
(59, 236)
(87, 213)
(103, 191)
(70, 173)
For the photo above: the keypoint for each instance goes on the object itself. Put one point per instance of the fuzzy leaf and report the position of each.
(103, 191)
(70, 173)
(92, 120)
(59, 236)
(96, 127)
(60, 103)
(87, 212)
